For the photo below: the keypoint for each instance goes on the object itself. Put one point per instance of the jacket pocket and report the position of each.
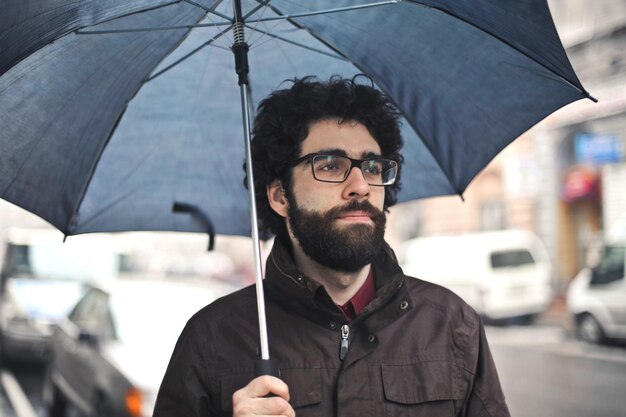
(305, 388)
(419, 389)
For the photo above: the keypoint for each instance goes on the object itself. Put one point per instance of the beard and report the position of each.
(345, 249)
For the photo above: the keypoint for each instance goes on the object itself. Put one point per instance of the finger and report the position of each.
(268, 406)
(264, 385)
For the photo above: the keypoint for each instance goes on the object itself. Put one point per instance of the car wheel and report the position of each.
(589, 329)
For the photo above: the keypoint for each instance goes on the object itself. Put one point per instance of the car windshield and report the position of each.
(611, 266)
(511, 258)
(155, 312)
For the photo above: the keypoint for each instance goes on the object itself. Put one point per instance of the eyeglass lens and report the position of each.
(334, 168)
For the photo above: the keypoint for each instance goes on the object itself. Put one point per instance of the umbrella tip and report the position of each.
(589, 96)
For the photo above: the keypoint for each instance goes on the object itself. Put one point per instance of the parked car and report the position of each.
(110, 354)
(596, 298)
(501, 274)
(40, 280)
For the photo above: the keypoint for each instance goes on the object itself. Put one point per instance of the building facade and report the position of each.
(581, 149)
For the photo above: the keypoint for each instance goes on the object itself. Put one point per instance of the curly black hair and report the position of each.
(282, 123)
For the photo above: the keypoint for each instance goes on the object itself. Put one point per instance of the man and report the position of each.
(352, 334)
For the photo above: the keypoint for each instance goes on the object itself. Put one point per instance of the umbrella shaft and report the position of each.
(240, 50)
(254, 223)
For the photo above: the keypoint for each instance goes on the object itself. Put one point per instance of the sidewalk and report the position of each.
(556, 315)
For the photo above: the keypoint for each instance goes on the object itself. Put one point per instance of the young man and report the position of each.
(352, 334)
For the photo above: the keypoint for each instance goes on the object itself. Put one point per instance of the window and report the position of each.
(611, 266)
(18, 261)
(91, 313)
(511, 258)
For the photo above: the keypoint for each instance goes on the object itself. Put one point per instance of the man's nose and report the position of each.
(356, 184)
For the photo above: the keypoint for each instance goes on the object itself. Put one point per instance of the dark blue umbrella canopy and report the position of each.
(112, 110)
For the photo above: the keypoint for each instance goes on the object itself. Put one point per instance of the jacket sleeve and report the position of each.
(485, 398)
(185, 390)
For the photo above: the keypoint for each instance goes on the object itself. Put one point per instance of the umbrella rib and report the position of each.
(207, 10)
(207, 43)
(147, 9)
(326, 11)
(188, 55)
(250, 13)
(299, 26)
(211, 9)
(249, 40)
(151, 29)
(253, 11)
(228, 22)
(310, 48)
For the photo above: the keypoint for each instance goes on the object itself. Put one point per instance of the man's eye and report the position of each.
(328, 167)
(373, 169)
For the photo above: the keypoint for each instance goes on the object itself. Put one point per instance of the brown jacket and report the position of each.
(416, 350)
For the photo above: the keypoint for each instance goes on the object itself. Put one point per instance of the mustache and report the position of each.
(357, 205)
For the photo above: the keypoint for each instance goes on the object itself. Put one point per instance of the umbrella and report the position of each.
(114, 112)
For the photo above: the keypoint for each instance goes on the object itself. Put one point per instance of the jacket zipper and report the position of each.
(345, 334)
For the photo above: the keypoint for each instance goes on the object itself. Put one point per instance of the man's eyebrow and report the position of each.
(332, 151)
(342, 152)
(366, 155)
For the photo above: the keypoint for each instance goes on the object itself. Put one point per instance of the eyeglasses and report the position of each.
(335, 168)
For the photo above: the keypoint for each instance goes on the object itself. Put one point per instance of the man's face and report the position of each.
(339, 225)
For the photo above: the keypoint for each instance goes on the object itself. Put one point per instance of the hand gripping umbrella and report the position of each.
(114, 112)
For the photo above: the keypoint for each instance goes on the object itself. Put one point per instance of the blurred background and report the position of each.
(537, 247)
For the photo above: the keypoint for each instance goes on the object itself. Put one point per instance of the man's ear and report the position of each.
(276, 197)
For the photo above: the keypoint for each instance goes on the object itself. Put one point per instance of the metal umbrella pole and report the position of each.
(265, 365)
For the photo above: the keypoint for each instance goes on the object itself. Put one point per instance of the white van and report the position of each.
(501, 274)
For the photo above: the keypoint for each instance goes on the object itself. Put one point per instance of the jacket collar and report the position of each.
(295, 291)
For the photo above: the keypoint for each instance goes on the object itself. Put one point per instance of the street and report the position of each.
(544, 371)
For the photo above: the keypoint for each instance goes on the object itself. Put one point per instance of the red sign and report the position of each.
(580, 183)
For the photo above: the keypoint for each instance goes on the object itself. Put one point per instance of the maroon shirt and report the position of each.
(363, 296)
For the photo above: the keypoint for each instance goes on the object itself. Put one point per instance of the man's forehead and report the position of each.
(347, 139)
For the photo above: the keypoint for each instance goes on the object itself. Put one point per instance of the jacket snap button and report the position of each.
(404, 305)
(332, 325)
(371, 338)
(300, 279)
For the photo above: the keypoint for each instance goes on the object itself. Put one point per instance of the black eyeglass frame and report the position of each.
(358, 163)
